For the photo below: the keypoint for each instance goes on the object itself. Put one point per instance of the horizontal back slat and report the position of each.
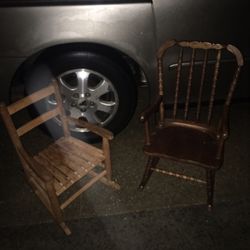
(37, 121)
(25, 102)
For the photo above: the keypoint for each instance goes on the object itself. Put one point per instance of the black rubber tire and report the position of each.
(45, 69)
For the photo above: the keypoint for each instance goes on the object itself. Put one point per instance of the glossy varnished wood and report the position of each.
(190, 134)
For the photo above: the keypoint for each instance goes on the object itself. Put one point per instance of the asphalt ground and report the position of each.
(167, 214)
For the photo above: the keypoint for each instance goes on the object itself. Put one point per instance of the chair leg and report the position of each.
(210, 188)
(152, 162)
(55, 208)
(107, 161)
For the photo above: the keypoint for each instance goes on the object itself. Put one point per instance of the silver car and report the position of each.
(102, 50)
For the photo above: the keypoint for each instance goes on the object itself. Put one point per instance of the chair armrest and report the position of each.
(43, 173)
(224, 130)
(151, 109)
(222, 135)
(92, 127)
(223, 125)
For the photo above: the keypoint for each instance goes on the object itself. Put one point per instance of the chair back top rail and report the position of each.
(201, 45)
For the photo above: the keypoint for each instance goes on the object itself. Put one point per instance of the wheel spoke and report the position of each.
(106, 106)
(66, 91)
(92, 117)
(101, 89)
(82, 82)
(75, 113)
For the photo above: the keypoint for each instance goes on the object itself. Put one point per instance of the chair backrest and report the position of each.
(194, 79)
(7, 112)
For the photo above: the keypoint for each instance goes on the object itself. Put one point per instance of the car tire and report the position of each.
(93, 88)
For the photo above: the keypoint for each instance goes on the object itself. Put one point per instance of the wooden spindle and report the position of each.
(161, 87)
(160, 76)
(189, 84)
(214, 83)
(203, 73)
(177, 87)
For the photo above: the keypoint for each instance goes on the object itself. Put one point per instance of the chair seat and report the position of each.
(184, 144)
(68, 160)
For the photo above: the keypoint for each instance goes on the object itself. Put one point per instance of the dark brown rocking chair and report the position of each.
(68, 161)
(183, 124)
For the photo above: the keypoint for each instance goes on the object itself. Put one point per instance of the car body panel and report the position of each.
(45, 26)
(135, 28)
(19, 3)
(29, 30)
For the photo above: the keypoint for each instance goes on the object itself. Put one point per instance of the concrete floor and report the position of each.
(168, 214)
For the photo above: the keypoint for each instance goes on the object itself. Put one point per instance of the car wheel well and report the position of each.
(126, 62)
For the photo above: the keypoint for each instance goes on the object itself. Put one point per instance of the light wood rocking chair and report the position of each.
(183, 123)
(66, 162)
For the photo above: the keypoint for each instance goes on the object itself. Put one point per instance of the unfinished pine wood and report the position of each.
(91, 158)
(23, 103)
(106, 181)
(190, 133)
(65, 163)
(67, 166)
(63, 117)
(37, 121)
(92, 127)
(84, 188)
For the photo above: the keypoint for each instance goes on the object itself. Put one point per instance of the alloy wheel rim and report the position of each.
(87, 95)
